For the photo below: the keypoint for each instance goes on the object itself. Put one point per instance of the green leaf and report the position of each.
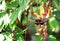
(31, 27)
(53, 24)
(24, 21)
(39, 38)
(57, 13)
(23, 6)
(0, 0)
(24, 3)
(8, 36)
(7, 33)
(44, 1)
(55, 4)
(52, 38)
(19, 37)
(1, 22)
(19, 31)
(1, 26)
(11, 4)
(34, 1)
(14, 15)
(18, 11)
(2, 14)
(20, 2)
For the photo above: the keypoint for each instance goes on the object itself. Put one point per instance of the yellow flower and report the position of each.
(49, 10)
(38, 16)
(41, 10)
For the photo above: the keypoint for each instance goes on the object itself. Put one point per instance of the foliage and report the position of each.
(8, 19)
(9, 31)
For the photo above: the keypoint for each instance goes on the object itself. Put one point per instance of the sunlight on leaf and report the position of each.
(1, 37)
(8, 38)
(6, 19)
(2, 6)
